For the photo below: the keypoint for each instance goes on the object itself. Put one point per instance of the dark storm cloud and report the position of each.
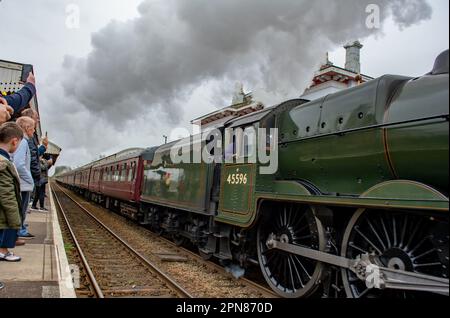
(151, 63)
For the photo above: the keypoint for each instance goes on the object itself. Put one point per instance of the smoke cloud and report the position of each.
(152, 63)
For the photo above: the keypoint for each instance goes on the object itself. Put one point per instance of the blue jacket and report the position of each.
(22, 161)
(19, 100)
(35, 166)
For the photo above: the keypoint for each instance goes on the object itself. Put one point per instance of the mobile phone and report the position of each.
(26, 70)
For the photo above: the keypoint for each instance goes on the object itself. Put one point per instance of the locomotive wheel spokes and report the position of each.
(401, 241)
(290, 275)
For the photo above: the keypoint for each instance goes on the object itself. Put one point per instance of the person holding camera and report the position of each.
(36, 150)
(6, 111)
(20, 100)
(12, 105)
(22, 161)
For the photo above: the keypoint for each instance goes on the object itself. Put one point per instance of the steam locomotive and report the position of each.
(359, 206)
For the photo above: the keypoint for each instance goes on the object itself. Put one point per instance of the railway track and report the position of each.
(264, 291)
(184, 266)
(109, 266)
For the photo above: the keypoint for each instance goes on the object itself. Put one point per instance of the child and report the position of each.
(10, 200)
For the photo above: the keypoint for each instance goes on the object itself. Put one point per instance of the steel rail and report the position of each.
(97, 290)
(183, 293)
(263, 290)
(197, 258)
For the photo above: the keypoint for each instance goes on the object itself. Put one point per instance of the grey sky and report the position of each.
(168, 62)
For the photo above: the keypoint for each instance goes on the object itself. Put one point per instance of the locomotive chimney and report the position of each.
(353, 57)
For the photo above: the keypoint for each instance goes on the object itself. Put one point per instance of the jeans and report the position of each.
(39, 195)
(8, 238)
(23, 212)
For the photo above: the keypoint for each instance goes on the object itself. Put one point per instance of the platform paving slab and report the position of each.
(43, 271)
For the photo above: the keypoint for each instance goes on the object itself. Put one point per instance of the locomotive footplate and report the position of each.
(369, 268)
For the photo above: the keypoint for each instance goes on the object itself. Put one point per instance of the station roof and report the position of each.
(53, 149)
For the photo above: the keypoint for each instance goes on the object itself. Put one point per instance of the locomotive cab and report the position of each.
(246, 139)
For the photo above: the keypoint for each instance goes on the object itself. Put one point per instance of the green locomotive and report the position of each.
(357, 204)
(362, 184)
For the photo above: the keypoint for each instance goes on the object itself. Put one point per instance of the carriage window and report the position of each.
(123, 173)
(117, 174)
(130, 172)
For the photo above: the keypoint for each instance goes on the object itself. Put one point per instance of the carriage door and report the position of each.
(238, 175)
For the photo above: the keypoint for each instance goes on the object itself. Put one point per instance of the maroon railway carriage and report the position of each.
(117, 178)
(114, 182)
(68, 179)
(82, 178)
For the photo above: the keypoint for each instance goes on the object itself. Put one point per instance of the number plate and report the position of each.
(237, 188)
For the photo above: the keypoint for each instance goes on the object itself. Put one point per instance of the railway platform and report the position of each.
(43, 271)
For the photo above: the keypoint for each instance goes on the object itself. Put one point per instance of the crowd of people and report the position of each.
(24, 167)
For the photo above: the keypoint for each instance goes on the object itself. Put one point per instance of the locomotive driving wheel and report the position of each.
(290, 275)
(401, 241)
